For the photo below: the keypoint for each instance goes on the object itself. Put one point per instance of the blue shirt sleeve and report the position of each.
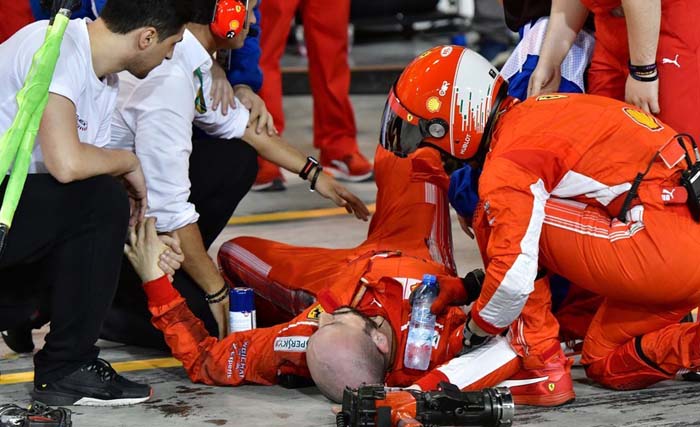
(86, 9)
(245, 62)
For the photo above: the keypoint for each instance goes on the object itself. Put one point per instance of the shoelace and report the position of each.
(103, 369)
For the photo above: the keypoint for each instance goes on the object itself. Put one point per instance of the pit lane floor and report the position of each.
(177, 402)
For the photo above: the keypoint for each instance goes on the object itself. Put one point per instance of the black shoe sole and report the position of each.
(56, 398)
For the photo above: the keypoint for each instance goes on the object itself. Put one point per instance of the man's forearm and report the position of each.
(198, 265)
(276, 150)
(565, 21)
(643, 22)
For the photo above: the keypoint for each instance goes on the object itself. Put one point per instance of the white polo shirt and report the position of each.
(154, 117)
(74, 78)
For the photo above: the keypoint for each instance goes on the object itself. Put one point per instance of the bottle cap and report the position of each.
(429, 280)
(242, 299)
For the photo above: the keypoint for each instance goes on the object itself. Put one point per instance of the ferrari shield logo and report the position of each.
(315, 312)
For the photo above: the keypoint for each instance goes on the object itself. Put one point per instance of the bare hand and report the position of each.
(545, 79)
(171, 260)
(644, 95)
(145, 249)
(221, 90)
(329, 188)
(135, 184)
(220, 312)
(258, 110)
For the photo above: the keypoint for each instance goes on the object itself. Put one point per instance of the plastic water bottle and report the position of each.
(421, 328)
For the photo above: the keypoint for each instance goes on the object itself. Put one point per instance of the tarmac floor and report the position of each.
(178, 402)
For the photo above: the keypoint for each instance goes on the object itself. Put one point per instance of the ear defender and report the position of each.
(229, 18)
(434, 128)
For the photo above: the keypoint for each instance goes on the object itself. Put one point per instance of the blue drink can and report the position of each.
(241, 310)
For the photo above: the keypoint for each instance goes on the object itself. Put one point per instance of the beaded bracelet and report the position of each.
(218, 296)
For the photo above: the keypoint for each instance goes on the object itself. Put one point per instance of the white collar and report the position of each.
(193, 54)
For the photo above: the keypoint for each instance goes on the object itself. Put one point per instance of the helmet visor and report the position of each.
(400, 133)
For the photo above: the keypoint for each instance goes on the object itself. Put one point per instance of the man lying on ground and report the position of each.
(357, 330)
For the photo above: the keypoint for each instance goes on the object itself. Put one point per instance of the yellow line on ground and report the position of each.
(292, 215)
(131, 365)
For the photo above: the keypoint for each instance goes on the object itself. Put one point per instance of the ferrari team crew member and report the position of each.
(326, 37)
(192, 187)
(563, 191)
(356, 331)
(646, 53)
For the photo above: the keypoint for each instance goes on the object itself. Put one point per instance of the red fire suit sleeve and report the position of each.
(485, 366)
(513, 201)
(256, 356)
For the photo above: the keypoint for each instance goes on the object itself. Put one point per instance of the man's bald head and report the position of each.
(346, 354)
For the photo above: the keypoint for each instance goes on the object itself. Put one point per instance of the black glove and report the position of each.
(474, 336)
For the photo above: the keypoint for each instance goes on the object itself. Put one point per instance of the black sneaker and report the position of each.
(19, 339)
(94, 384)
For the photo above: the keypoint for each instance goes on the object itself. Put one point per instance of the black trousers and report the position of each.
(221, 173)
(65, 245)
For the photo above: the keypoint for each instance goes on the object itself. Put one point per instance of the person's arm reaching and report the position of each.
(201, 268)
(643, 19)
(516, 194)
(67, 159)
(484, 366)
(276, 150)
(565, 21)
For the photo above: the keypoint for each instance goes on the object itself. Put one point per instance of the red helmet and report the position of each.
(230, 16)
(445, 98)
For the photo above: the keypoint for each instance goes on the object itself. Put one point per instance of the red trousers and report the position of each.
(647, 273)
(326, 35)
(15, 15)
(677, 56)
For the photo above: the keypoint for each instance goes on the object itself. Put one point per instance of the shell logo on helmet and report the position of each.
(473, 86)
(433, 104)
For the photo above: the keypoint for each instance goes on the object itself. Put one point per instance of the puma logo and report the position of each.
(673, 61)
(667, 195)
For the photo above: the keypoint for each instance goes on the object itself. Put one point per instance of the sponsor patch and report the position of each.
(295, 344)
(444, 88)
(671, 153)
(239, 356)
(643, 119)
(446, 51)
(433, 104)
(315, 312)
(550, 97)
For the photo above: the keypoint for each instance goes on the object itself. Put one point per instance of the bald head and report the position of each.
(341, 355)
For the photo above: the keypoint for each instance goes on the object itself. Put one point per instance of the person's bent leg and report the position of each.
(644, 269)
(85, 268)
(83, 240)
(631, 347)
(286, 276)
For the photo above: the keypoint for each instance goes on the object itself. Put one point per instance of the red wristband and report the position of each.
(160, 291)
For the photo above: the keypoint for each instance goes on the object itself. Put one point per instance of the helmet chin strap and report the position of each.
(485, 143)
